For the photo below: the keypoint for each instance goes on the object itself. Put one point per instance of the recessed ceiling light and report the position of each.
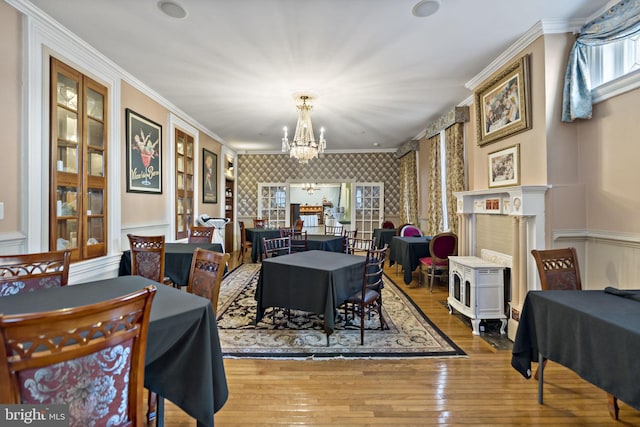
(172, 9)
(376, 144)
(425, 8)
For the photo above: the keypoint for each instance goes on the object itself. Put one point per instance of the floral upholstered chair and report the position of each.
(147, 257)
(89, 357)
(30, 272)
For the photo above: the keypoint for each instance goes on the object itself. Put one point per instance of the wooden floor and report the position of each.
(480, 390)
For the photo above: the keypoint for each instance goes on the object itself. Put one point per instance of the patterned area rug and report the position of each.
(300, 335)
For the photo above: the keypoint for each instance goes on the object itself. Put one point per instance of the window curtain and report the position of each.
(408, 189)
(621, 21)
(434, 202)
(454, 140)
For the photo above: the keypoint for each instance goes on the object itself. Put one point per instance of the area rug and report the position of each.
(299, 335)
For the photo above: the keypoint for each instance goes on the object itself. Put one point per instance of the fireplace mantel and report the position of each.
(526, 206)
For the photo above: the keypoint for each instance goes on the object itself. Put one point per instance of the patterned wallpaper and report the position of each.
(361, 167)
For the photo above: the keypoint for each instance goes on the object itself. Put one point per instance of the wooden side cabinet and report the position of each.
(476, 289)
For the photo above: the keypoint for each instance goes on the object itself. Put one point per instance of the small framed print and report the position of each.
(504, 167)
(209, 176)
(144, 154)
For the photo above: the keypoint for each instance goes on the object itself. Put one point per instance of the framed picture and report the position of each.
(503, 104)
(504, 167)
(144, 154)
(209, 176)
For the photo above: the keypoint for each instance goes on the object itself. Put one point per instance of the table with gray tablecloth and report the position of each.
(407, 251)
(177, 260)
(183, 361)
(313, 281)
(384, 235)
(323, 242)
(594, 333)
(255, 235)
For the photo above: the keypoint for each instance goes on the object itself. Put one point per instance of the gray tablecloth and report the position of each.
(183, 362)
(255, 235)
(177, 260)
(407, 251)
(321, 242)
(313, 281)
(593, 333)
(384, 235)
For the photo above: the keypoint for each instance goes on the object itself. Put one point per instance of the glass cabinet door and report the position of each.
(184, 183)
(78, 163)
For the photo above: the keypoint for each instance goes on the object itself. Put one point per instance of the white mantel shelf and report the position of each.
(526, 200)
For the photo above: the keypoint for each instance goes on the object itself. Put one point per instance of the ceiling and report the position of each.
(378, 74)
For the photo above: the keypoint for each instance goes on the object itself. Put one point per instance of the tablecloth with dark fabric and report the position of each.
(384, 235)
(407, 251)
(321, 242)
(313, 281)
(177, 260)
(183, 361)
(255, 235)
(593, 333)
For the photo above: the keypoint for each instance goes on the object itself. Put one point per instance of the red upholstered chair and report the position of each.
(370, 295)
(30, 272)
(388, 224)
(441, 247)
(90, 357)
(410, 231)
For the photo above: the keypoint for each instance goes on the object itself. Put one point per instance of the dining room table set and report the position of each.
(406, 252)
(314, 241)
(177, 260)
(314, 281)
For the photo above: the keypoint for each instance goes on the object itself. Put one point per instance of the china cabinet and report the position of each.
(184, 183)
(78, 135)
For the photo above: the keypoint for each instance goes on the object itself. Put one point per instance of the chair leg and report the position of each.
(433, 279)
(152, 407)
(362, 324)
(544, 363)
(614, 409)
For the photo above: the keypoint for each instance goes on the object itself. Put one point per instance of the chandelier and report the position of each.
(304, 146)
(309, 188)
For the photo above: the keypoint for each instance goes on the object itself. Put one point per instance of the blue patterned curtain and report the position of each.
(621, 21)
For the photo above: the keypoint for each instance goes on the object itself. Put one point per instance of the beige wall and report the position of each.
(10, 107)
(609, 152)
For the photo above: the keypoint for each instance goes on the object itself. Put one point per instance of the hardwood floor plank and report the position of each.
(481, 389)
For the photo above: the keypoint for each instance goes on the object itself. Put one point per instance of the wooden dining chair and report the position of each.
(147, 258)
(259, 222)
(299, 241)
(30, 272)
(276, 246)
(441, 247)
(357, 246)
(245, 245)
(90, 357)
(201, 234)
(299, 224)
(333, 230)
(207, 270)
(350, 234)
(370, 293)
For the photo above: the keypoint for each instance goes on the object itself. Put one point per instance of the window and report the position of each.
(78, 192)
(609, 61)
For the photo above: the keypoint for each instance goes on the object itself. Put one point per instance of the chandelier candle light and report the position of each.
(304, 146)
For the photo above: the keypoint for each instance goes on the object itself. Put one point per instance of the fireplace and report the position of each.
(524, 206)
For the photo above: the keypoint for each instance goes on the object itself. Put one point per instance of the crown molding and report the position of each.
(540, 28)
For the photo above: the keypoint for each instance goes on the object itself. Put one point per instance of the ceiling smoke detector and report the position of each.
(172, 9)
(425, 8)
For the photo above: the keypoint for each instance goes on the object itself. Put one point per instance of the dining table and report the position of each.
(177, 260)
(384, 236)
(595, 333)
(407, 251)
(314, 241)
(313, 281)
(183, 360)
